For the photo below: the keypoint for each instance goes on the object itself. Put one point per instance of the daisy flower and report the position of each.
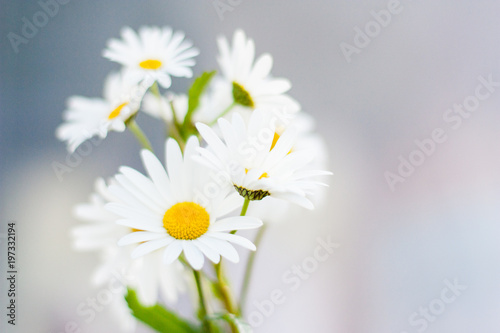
(153, 53)
(100, 233)
(258, 161)
(88, 117)
(251, 84)
(178, 210)
(277, 211)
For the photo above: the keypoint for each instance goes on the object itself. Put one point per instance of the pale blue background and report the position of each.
(396, 247)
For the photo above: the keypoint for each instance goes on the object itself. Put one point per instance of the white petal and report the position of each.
(150, 247)
(235, 239)
(208, 159)
(139, 236)
(211, 254)
(229, 204)
(310, 173)
(193, 255)
(157, 173)
(139, 195)
(282, 148)
(219, 149)
(223, 247)
(174, 164)
(172, 252)
(236, 223)
(295, 198)
(124, 196)
(262, 67)
(131, 212)
(144, 184)
(140, 225)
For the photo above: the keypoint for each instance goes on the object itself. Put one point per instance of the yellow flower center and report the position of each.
(150, 64)
(116, 112)
(186, 220)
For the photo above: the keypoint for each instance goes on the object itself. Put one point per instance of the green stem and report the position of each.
(139, 134)
(174, 127)
(223, 113)
(245, 207)
(227, 296)
(249, 268)
(203, 304)
(155, 89)
(174, 116)
(243, 210)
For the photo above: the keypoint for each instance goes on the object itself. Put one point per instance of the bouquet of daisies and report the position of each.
(239, 154)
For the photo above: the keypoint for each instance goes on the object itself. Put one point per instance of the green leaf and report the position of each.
(194, 94)
(158, 317)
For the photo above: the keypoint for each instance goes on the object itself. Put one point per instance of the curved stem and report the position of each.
(173, 127)
(139, 134)
(227, 297)
(249, 268)
(223, 113)
(203, 304)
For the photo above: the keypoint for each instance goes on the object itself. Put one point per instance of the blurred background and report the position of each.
(420, 256)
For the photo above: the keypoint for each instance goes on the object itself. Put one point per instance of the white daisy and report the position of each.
(154, 54)
(258, 161)
(177, 211)
(88, 117)
(276, 211)
(100, 233)
(251, 84)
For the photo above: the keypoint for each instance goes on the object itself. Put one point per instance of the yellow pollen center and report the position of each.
(150, 64)
(116, 112)
(186, 220)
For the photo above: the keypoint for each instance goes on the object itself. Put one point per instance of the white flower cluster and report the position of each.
(259, 151)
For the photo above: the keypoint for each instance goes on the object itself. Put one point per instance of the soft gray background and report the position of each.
(397, 247)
